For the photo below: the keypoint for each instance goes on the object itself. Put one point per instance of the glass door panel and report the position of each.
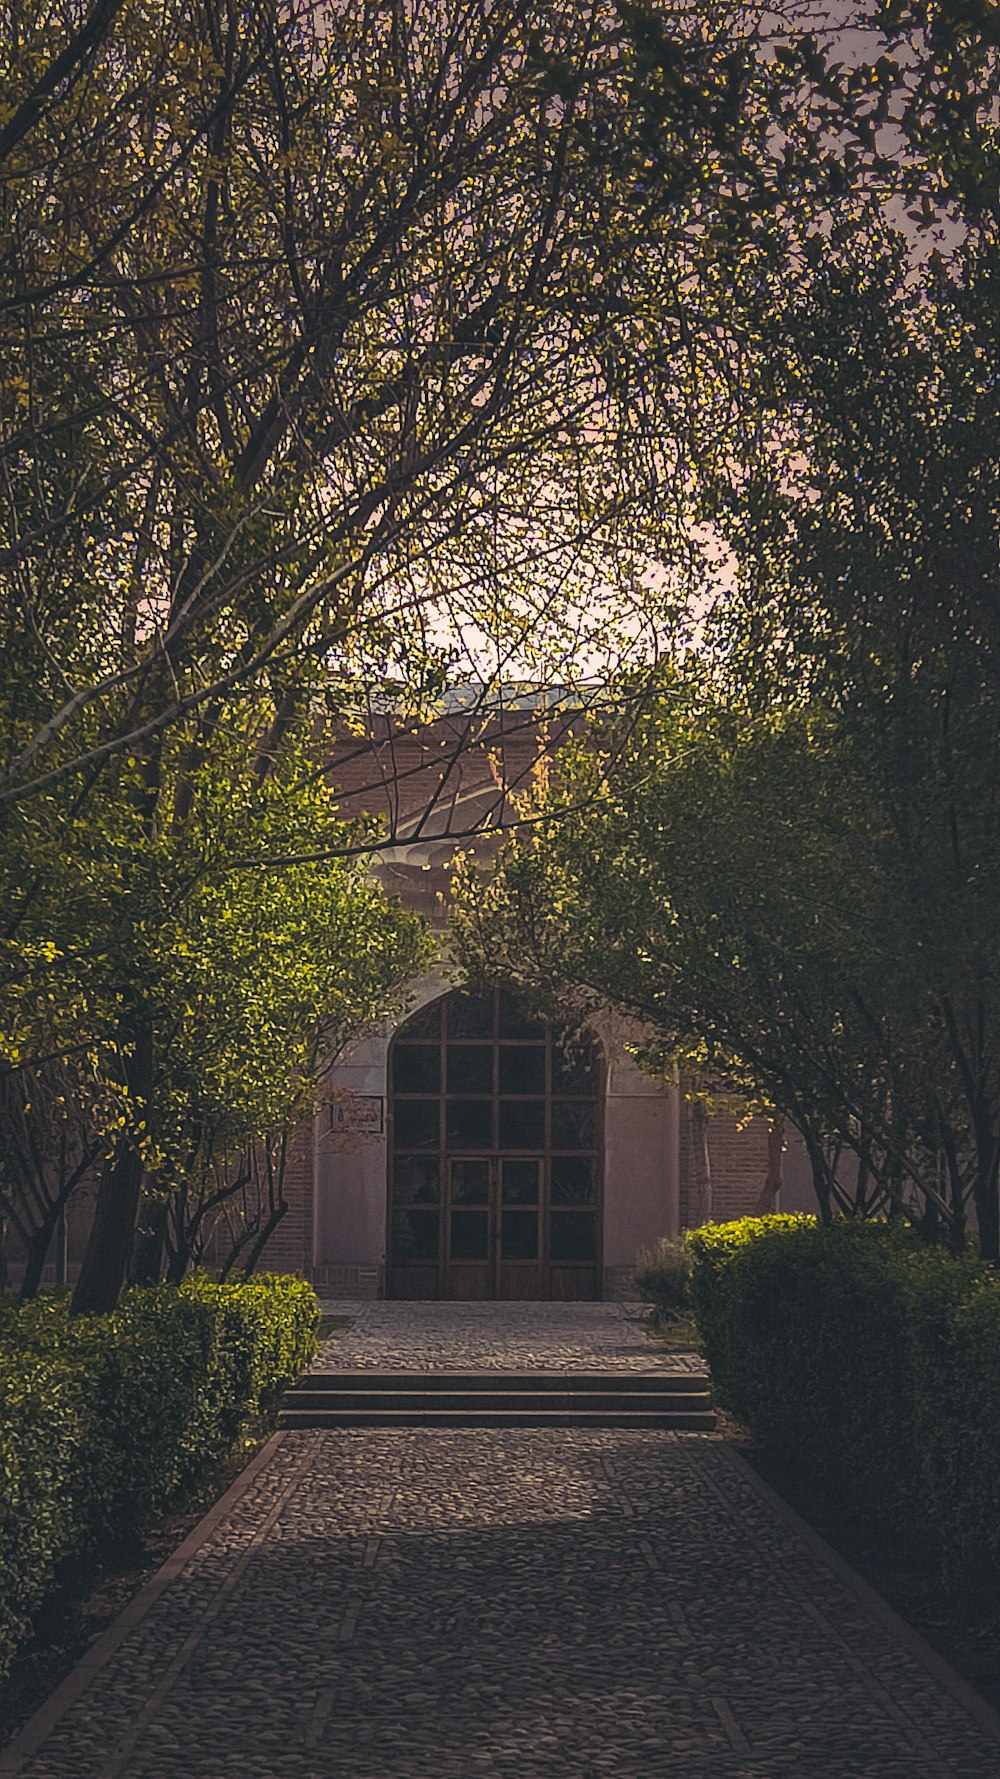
(520, 1256)
(471, 1227)
(470, 1235)
(470, 1068)
(519, 1235)
(522, 1124)
(470, 1182)
(469, 1124)
(521, 1179)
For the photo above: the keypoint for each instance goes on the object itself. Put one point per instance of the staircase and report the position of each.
(679, 1400)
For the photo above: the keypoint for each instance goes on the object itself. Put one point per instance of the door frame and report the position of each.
(552, 1280)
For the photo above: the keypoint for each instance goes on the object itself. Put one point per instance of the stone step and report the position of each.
(578, 1398)
(537, 1382)
(624, 1401)
(687, 1420)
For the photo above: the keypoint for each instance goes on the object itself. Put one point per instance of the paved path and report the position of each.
(526, 1604)
(498, 1337)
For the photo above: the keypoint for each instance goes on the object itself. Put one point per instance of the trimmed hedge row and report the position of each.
(104, 1419)
(873, 1362)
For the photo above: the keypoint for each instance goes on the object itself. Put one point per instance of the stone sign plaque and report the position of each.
(356, 1115)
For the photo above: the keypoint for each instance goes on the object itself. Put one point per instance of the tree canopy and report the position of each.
(792, 869)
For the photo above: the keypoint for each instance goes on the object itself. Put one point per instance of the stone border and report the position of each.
(878, 1608)
(40, 1726)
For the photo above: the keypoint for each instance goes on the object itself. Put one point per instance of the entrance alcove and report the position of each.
(495, 1149)
(374, 1173)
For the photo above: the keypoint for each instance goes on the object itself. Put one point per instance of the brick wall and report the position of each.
(738, 1160)
(290, 1248)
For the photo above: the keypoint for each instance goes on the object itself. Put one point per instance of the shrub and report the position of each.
(873, 1362)
(663, 1278)
(103, 1419)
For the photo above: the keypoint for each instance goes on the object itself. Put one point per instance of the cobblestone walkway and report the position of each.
(508, 1604)
(497, 1337)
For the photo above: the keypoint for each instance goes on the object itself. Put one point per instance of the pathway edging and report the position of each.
(875, 1603)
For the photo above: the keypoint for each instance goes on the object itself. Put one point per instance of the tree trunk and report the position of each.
(147, 1248)
(702, 1163)
(260, 1244)
(109, 1246)
(767, 1203)
(987, 1202)
(36, 1252)
(956, 1194)
(821, 1177)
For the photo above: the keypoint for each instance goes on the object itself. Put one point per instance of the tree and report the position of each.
(874, 573)
(795, 875)
(53, 1121)
(264, 976)
(246, 977)
(324, 311)
(316, 322)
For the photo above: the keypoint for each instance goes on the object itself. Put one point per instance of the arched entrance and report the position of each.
(494, 1155)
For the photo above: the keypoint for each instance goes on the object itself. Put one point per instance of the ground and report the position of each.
(408, 1604)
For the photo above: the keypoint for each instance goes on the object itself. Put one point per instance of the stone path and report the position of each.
(512, 1604)
(497, 1337)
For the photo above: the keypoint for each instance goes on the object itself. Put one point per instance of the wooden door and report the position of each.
(495, 1148)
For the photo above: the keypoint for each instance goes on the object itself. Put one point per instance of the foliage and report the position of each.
(788, 863)
(328, 356)
(870, 1360)
(663, 1278)
(103, 1420)
(325, 324)
(248, 974)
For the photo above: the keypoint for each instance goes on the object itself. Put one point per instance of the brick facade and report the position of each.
(737, 1154)
(290, 1248)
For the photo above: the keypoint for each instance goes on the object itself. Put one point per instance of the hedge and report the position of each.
(104, 1419)
(873, 1362)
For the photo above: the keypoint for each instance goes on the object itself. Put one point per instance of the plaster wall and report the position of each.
(351, 1166)
(640, 1161)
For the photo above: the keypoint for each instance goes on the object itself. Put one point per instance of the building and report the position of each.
(470, 1151)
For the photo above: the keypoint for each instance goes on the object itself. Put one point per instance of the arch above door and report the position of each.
(495, 1151)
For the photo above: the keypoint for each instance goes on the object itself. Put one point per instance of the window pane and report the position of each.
(520, 1182)
(415, 1235)
(470, 1016)
(470, 1068)
(415, 1180)
(522, 1124)
(575, 1067)
(573, 1235)
(470, 1182)
(515, 1022)
(425, 1023)
(519, 1235)
(416, 1068)
(470, 1124)
(573, 1181)
(522, 1068)
(574, 1124)
(416, 1124)
(470, 1235)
